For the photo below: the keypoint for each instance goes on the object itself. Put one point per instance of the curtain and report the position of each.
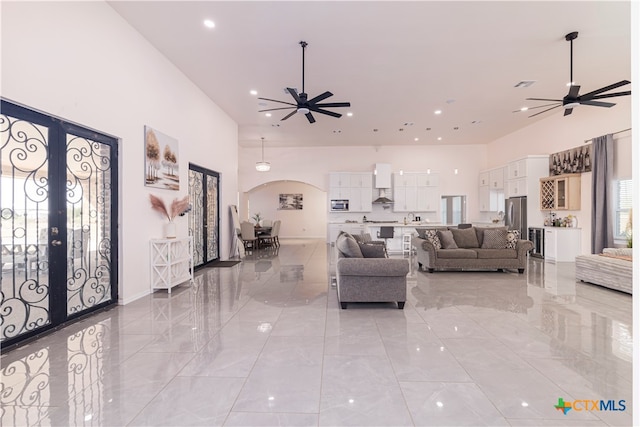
(601, 194)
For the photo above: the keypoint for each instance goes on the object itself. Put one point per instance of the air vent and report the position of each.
(525, 83)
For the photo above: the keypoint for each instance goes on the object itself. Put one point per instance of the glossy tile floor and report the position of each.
(265, 343)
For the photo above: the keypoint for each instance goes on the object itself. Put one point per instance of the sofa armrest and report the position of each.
(523, 246)
(387, 267)
(425, 245)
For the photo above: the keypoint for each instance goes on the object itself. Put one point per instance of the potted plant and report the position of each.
(257, 218)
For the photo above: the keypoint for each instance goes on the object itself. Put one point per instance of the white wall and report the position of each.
(309, 222)
(80, 61)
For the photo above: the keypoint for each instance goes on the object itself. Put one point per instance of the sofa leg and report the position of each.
(500, 270)
(420, 266)
(400, 305)
(521, 270)
(343, 305)
(431, 270)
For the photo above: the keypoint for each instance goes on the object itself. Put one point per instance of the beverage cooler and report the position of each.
(536, 235)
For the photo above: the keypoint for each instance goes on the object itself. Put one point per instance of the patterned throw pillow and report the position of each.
(494, 239)
(432, 236)
(512, 238)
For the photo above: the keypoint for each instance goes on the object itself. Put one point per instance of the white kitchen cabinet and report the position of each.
(405, 180)
(483, 179)
(339, 193)
(353, 186)
(405, 199)
(516, 187)
(496, 179)
(517, 169)
(361, 180)
(339, 180)
(428, 199)
(360, 199)
(351, 228)
(562, 244)
(424, 179)
(171, 262)
(484, 198)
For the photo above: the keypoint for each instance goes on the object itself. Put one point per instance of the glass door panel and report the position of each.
(196, 215)
(212, 217)
(204, 214)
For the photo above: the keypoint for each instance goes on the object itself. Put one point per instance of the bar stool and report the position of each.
(406, 244)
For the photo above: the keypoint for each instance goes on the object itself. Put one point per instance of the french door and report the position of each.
(204, 216)
(58, 222)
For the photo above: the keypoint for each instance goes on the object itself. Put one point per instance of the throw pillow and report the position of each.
(446, 237)
(512, 238)
(480, 232)
(465, 238)
(421, 232)
(348, 245)
(362, 237)
(432, 237)
(494, 239)
(373, 251)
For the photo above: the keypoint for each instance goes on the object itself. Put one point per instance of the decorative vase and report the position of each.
(170, 230)
(574, 222)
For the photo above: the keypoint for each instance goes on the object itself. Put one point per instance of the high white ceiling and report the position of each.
(396, 62)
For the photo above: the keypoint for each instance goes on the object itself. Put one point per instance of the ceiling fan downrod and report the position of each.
(304, 46)
(570, 38)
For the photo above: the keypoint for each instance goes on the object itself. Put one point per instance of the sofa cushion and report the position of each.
(497, 253)
(480, 233)
(362, 237)
(432, 237)
(370, 250)
(465, 237)
(628, 252)
(348, 246)
(494, 239)
(457, 254)
(447, 240)
(512, 238)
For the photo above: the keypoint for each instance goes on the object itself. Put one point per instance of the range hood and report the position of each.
(382, 198)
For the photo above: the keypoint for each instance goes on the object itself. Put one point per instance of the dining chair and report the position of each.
(275, 232)
(267, 223)
(385, 233)
(248, 235)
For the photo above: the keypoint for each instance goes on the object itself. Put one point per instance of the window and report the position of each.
(623, 207)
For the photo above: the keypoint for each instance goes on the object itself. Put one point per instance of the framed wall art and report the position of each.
(574, 160)
(290, 202)
(161, 160)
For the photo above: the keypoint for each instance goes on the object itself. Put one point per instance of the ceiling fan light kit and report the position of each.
(573, 99)
(306, 106)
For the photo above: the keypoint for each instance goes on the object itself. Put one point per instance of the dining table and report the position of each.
(262, 231)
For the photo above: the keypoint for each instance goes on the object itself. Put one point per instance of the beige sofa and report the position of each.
(472, 255)
(612, 269)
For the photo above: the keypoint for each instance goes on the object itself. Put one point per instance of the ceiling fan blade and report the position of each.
(295, 95)
(320, 97)
(544, 111)
(274, 109)
(537, 106)
(598, 103)
(568, 111)
(289, 115)
(334, 104)
(275, 100)
(590, 95)
(543, 99)
(328, 113)
(573, 91)
(310, 118)
(610, 95)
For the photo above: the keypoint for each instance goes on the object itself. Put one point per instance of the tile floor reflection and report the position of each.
(265, 343)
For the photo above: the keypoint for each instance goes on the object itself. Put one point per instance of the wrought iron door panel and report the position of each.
(212, 217)
(88, 199)
(24, 292)
(196, 215)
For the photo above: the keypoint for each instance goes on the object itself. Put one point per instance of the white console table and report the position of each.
(171, 262)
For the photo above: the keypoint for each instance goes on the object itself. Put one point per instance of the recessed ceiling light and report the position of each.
(375, 130)
(209, 23)
(267, 114)
(437, 112)
(456, 128)
(428, 128)
(253, 92)
(349, 114)
(439, 138)
(416, 139)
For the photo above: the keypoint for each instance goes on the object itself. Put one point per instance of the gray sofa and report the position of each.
(472, 254)
(612, 269)
(364, 273)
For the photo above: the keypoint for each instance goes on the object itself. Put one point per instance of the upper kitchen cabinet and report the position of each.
(415, 192)
(353, 186)
(560, 192)
(496, 179)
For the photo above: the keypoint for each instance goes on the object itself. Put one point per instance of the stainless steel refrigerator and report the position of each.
(516, 215)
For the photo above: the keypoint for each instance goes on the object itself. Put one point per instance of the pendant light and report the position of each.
(263, 166)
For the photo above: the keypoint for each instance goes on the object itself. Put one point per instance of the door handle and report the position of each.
(56, 242)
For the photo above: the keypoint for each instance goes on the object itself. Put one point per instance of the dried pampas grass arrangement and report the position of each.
(178, 207)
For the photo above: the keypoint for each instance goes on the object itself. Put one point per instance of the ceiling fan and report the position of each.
(304, 105)
(573, 98)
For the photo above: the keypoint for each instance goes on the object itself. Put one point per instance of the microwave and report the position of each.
(339, 205)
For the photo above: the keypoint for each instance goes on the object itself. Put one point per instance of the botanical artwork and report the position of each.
(161, 160)
(575, 160)
(290, 202)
